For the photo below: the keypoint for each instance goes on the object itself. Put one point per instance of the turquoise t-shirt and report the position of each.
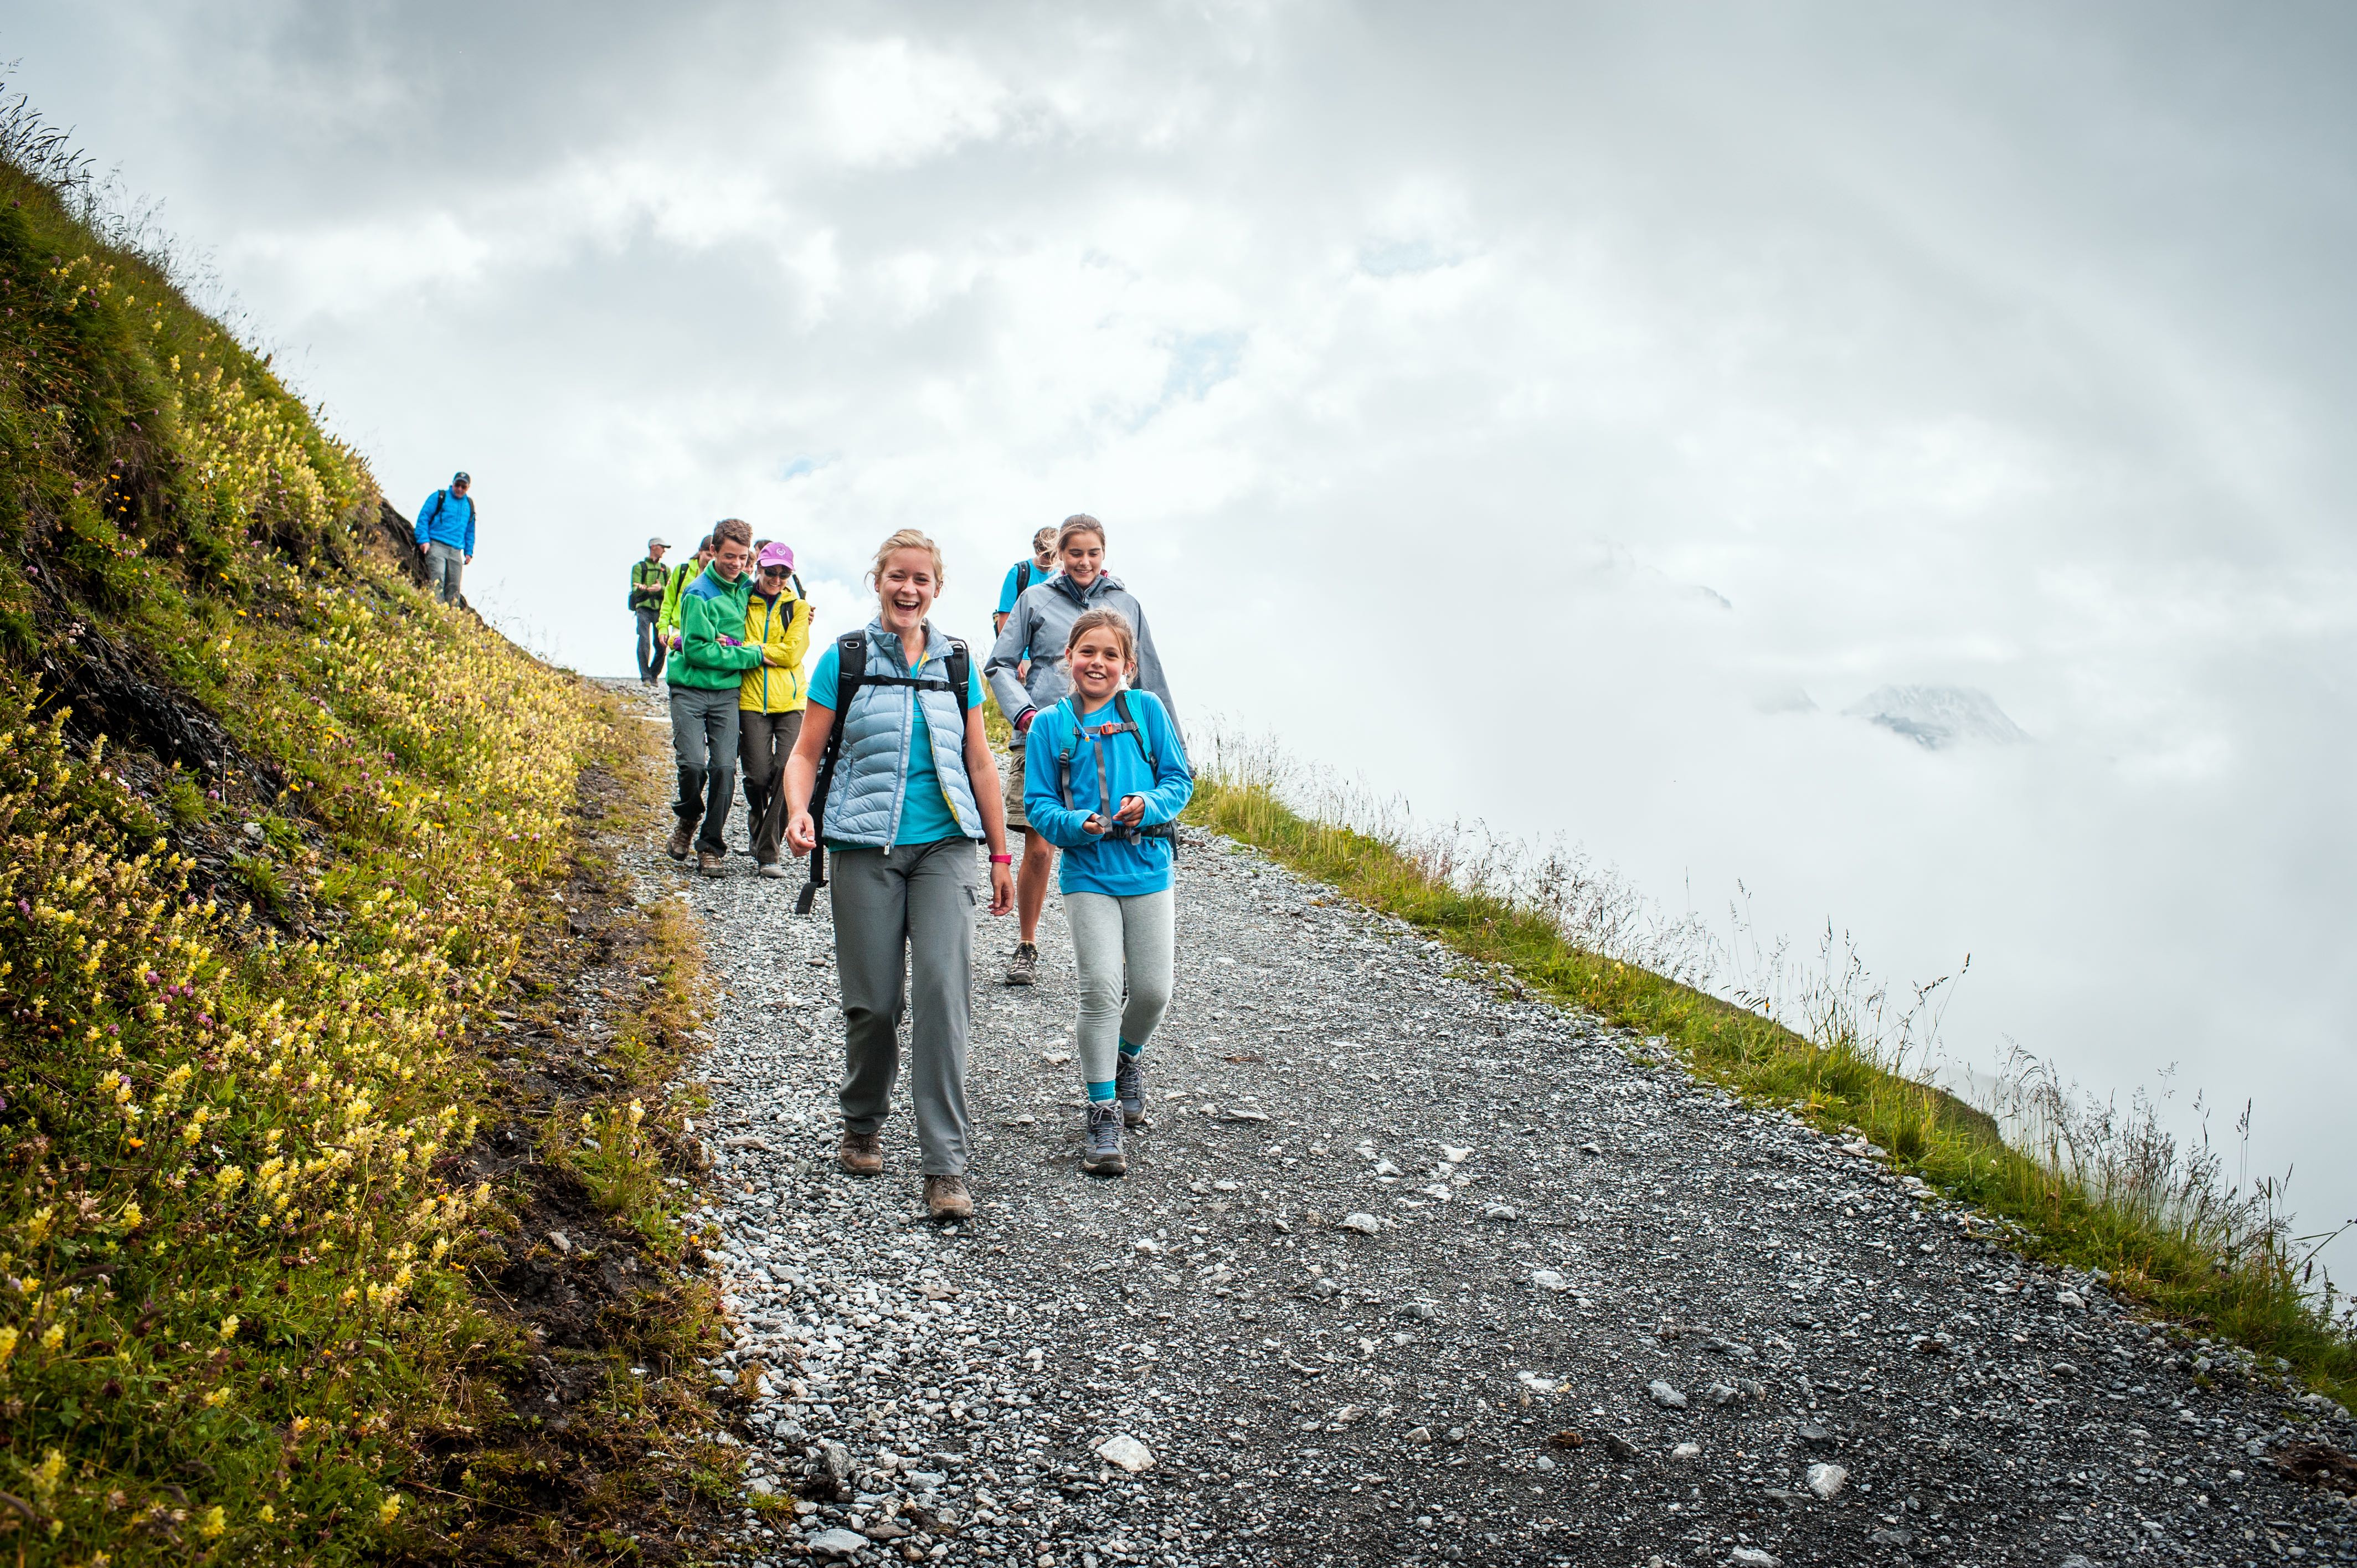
(925, 813)
(1008, 594)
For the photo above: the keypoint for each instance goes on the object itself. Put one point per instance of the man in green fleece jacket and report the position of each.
(706, 675)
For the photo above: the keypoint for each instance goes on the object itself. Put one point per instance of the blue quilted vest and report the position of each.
(871, 778)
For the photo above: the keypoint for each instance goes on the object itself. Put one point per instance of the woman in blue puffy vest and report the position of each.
(911, 786)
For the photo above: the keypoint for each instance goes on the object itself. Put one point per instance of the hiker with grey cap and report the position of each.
(649, 578)
(445, 537)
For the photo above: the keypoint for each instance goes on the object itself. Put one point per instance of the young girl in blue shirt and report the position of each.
(1105, 779)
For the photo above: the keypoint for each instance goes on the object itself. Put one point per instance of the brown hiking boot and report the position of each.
(946, 1198)
(861, 1153)
(711, 865)
(682, 840)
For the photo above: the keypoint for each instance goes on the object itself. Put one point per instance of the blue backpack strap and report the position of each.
(1064, 757)
(1129, 722)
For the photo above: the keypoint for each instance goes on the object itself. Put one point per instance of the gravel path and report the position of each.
(1404, 1272)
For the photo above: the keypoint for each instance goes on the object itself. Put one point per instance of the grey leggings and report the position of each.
(1109, 935)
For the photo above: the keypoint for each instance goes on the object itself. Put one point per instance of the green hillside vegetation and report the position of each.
(282, 837)
(2160, 1224)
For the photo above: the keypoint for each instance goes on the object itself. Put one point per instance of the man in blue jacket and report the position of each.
(445, 537)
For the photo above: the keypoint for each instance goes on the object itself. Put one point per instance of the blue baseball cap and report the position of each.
(460, 478)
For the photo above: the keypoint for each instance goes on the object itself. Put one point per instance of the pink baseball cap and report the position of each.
(776, 554)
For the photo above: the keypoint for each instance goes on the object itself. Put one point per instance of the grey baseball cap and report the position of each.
(658, 543)
(460, 478)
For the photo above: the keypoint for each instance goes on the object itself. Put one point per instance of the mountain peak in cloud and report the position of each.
(1937, 716)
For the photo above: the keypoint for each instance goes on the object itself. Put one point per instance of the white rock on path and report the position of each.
(1364, 1224)
(1825, 1481)
(1665, 1396)
(837, 1542)
(1753, 1557)
(1126, 1451)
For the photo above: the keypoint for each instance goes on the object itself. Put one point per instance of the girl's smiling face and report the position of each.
(1096, 665)
(904, 589)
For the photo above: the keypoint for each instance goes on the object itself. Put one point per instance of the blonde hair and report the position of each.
(905, 539)
(1113, 621)
(1043, 539)
(1079, 522)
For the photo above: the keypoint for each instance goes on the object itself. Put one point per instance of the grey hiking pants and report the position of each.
(1111, 936)
(914, 905)
(445, 564)
(704, 737)
(652, 651)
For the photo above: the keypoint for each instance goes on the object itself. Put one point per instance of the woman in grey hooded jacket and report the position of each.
(1037, 629)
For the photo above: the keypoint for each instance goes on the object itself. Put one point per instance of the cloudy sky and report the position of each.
(1557, 415)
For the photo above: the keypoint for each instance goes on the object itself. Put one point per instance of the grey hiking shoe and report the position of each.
(1129, 1088)
(1103, 1156)
(774, 870)
(1023, 969)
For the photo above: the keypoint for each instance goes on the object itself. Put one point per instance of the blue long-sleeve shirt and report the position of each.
(445, 519)
(1123, 867)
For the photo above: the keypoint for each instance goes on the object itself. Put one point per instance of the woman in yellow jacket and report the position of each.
(770, 707)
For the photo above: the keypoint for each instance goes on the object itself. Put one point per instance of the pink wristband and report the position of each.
(1002, 860)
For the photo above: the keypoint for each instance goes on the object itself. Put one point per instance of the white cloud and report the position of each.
(886, 102)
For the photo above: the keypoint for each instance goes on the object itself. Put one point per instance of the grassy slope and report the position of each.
(239, 1082)
(2249, 1295)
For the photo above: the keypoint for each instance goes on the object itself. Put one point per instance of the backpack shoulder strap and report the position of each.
(1022, 577)
(961, 663)
(1137, 731)
(850, 671)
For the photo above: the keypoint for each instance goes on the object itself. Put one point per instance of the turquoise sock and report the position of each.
(1129, 1050)
(1100, 1091)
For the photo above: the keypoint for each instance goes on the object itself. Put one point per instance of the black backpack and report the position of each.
(850, 675)
(1022, 577)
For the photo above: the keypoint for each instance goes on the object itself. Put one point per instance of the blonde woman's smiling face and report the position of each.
(906, 587)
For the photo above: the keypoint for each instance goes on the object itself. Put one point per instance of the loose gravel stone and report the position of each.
(949, 1391)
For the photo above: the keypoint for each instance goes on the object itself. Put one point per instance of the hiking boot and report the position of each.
(774, 869)
(683, 842)
(1103, 1155)
(1023, 969)
(1129, 1088)
(711, 865)
(861, 1153)
(946, 1198)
